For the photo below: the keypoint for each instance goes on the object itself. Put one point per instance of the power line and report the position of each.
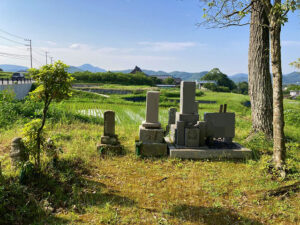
(12, 40)
(16, 36)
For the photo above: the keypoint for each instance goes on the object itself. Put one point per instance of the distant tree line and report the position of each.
(119, 78)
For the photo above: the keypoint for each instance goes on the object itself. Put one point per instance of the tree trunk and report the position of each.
(260, 85)
(279, 151)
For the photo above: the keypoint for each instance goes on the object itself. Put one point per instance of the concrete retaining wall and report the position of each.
(21, 90)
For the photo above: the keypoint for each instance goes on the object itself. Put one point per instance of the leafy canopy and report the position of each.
(54, 82)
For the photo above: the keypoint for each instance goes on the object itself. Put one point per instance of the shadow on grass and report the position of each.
(210, 215)
(65, 187)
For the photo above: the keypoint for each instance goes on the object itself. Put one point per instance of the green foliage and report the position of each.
(30, 135)
(169, 80)
(115, 78)
(54, 82)
(293, 87)
(242, 88)
(8, 108)
(221, 80)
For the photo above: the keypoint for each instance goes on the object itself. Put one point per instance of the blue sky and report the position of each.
(119, 34)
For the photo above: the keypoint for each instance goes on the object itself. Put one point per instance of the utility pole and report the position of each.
(51, 59)
(30, 46)
(46, 57)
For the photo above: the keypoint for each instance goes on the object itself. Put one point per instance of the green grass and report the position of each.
(130, 190)
(5, 75)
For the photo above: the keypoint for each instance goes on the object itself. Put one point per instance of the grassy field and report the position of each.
(89, 189)
(5, 74)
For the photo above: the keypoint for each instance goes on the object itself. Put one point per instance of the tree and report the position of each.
(242, 88)
(220, 78)
(169, 80)
(225, 13)
(1, 70)
(296, 64)
(277, 16)
(54, 84)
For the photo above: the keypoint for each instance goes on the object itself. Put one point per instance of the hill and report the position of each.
(292, 78)
(91, 68)
(13, 68)
(239, 77)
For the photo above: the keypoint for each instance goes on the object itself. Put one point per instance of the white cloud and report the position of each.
(167, 46)
(287, 43)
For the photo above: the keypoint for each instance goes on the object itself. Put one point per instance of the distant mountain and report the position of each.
(239, 77)
(177, 74)
(91, 68)
(291, 78)
(13, 68)
(188, 76)
(73, 69)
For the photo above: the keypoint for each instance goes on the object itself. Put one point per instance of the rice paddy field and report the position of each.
(127, 189)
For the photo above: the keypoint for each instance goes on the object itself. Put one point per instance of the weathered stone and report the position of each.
(187, 97)
(192, 137)
(109, 123)
(172, 133)
(220, 125)
(153, 149)
(152, 107)
(202, 132)
(17, 152)
(180, 133)
(172, 116)
(151, 135)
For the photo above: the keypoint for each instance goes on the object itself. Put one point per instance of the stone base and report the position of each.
(151, 135)
(151, 125)
(208, 153)
(110, 140)
(151, 149)
(188, 118)
(105, 149)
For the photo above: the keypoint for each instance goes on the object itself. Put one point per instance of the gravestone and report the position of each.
(172, 119)
(151, 135)
(18, 152)
(109, 141)
(193, 139)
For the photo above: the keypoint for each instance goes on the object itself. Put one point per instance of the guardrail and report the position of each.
(5, 81)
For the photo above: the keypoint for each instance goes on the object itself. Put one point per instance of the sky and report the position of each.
(120, 34)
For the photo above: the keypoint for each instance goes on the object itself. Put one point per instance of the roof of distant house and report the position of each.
(136, 70)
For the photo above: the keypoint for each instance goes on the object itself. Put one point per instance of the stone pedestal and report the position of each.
(151, 135)
(109, 141)
(152, 149)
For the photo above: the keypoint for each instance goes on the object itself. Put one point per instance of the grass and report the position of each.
(131, 190)
(5, 75)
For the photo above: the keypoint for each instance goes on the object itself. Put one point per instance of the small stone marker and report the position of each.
(109, 142)
(172, 116)
(17, 151)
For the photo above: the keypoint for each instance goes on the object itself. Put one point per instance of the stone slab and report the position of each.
(151, 135)
(153, 149)
(187, 97)
(207, 153)
(192, 137)
(109, 123)
(220, 125)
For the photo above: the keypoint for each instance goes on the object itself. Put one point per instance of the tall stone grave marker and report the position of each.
(151, 135)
